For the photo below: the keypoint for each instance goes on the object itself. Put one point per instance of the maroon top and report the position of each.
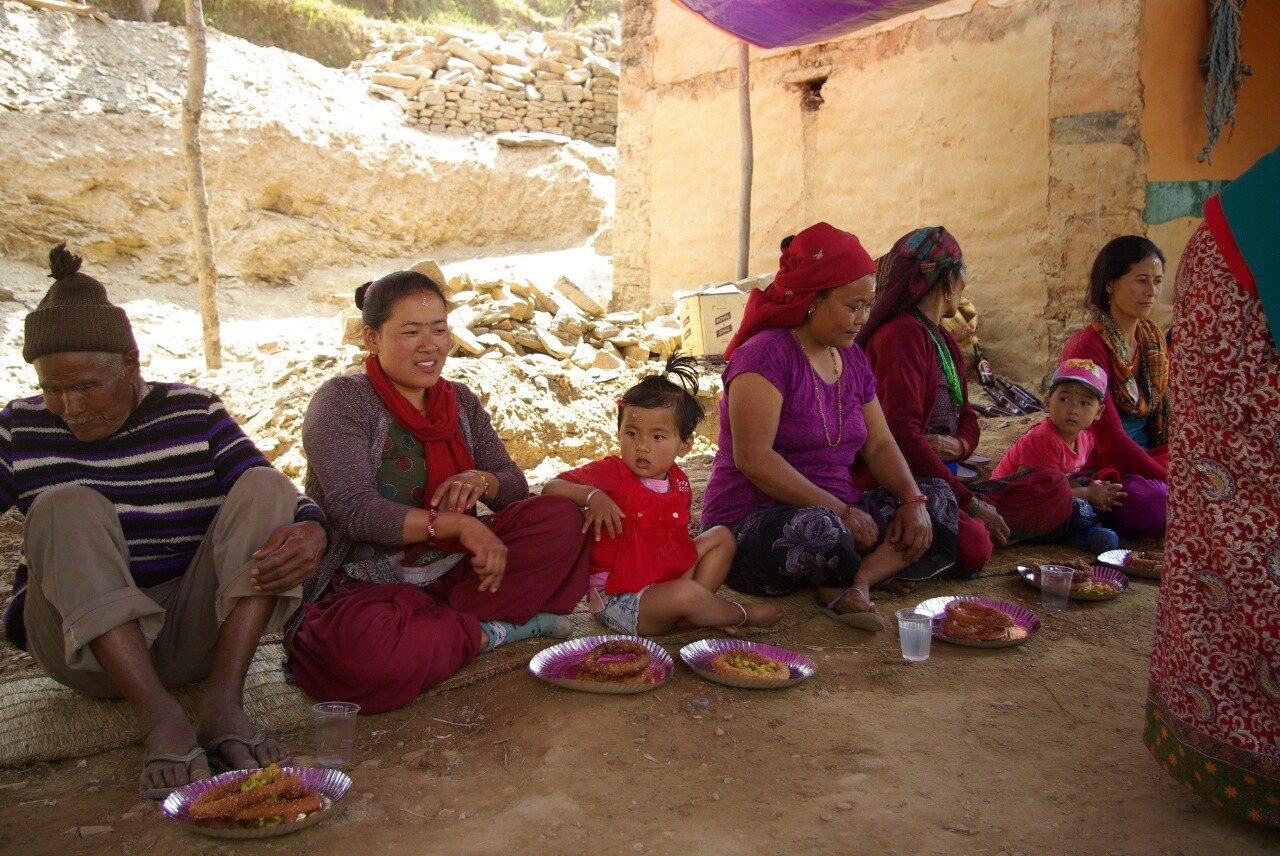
(1113, 447)
(905, 361)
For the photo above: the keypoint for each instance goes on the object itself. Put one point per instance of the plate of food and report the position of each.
(257, 803)
(980, 622)
(1091, 582)
(614, 665)
(1136, 563)
(748, 665)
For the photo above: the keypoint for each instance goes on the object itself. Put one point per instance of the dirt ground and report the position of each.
(1029, 750)
(1032, 750)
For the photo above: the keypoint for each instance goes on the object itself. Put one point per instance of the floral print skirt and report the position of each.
(782, 549)
(1213, 703)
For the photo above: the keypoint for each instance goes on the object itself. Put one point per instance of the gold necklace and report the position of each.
(817, 394)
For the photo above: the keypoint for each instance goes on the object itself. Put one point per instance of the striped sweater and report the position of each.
(166, 470)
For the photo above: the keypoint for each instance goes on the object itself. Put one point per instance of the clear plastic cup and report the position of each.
(1055, 587)
(915, 631)
(335, 731)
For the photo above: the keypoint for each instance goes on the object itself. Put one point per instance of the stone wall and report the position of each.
(557, 83)
(1018, 124)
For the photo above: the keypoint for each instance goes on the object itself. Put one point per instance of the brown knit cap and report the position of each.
(75, 314)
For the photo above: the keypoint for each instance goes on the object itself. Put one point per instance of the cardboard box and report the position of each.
(710, 317)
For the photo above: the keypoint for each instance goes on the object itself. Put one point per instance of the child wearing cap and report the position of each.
(1062, 442)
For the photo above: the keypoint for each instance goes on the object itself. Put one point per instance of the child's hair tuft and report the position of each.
(657, 391)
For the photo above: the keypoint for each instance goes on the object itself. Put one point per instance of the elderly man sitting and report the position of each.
(158, 543)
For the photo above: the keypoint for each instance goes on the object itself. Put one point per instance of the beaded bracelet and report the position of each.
(431, 525)
(920, 497)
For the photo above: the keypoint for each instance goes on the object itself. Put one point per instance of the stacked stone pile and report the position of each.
(557, 83)
(559, 325)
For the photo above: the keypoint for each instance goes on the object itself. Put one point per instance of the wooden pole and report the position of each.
(748, 159)
(206, 266)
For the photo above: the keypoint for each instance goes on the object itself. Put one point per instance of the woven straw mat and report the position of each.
(41, 720)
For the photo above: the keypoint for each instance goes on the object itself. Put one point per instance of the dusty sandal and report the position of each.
(218, 764)
(163, 793)
(861, 620)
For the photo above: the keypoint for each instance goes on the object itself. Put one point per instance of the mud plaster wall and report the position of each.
(1173, 127)
(1015, 123)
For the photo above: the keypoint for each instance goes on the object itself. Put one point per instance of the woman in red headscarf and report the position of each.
(799, 405)
(921, 373)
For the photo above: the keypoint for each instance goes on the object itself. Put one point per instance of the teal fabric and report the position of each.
(1169, 200)
(1136, 428)
(1251, 204)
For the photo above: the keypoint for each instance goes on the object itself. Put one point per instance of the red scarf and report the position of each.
(820, 257)
(438, 430)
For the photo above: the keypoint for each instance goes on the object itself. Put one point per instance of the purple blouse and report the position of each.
(776, 355)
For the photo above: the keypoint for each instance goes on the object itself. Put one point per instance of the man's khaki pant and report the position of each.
(80, 586)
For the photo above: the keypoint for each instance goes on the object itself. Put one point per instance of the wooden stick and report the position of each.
(73, 8)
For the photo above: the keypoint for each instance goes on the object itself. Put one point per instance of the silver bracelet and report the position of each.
(586, 503)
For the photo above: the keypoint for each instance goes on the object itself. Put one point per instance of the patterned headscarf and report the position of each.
(816, 259)
(908, 271)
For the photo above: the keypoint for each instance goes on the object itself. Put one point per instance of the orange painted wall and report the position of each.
(1177, 33)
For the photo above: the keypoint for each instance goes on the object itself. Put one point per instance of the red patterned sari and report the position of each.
(1213, 713)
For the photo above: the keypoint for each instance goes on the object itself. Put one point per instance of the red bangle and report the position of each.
(431, 525)
(920, 497)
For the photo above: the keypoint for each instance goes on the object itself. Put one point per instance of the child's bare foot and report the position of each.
(754, 615)
(762, 614)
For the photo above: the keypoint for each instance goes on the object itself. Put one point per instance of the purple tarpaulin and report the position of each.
(780, 23)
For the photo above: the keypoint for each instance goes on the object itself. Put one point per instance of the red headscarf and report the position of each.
(819, 258)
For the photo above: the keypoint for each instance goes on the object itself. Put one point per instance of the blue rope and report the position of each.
(1224, 69)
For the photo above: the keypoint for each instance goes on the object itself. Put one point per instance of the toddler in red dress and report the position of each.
(648, 575)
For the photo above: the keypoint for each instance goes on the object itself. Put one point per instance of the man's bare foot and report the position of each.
(244, 750)
(170, 734)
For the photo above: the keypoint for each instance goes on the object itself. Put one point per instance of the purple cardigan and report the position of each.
(343, 434)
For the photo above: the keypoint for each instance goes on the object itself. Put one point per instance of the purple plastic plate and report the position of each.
(1109, 577)
(697, 656)
(1025, 622)
(1117, 559)
(332, 785)
(559, 665)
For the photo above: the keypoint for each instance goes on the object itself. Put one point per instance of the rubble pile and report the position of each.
(547, 326)
(564, 84)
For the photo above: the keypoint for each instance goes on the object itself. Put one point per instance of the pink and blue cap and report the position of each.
(1085, 372)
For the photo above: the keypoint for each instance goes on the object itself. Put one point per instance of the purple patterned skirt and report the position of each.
(782, 549)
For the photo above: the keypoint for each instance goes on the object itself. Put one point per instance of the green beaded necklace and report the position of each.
(944, 357)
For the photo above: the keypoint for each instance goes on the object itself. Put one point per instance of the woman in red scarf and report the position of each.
(414, 584)
(799, 405)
